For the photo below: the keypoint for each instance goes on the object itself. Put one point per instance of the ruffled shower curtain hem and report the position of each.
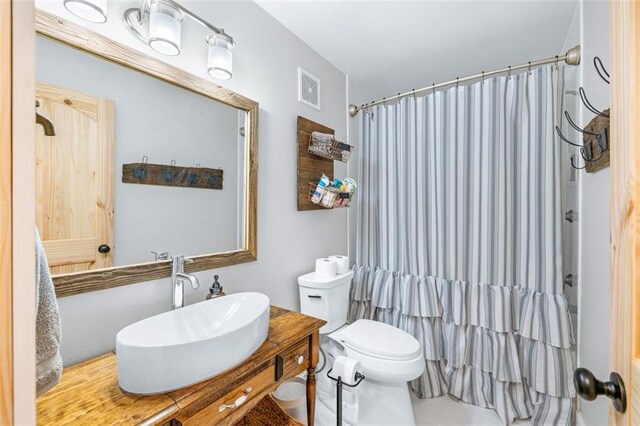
(488, 345)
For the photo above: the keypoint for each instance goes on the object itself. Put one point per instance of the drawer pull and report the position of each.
(238, 402)
(300, 359)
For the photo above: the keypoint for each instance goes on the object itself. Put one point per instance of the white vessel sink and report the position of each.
(188, 345)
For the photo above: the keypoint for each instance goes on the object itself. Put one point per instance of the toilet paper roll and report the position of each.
(346, 368)
(326, 268)
(343, 263)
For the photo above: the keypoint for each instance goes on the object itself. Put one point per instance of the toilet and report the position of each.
(389, 358)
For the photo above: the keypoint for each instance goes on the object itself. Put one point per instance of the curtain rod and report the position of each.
(572, 57)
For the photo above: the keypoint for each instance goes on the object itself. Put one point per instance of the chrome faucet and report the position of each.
(178, 277)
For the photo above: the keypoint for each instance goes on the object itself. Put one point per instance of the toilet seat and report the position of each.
(380, 340)
(385, 353)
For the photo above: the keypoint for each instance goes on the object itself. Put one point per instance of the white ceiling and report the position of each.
(394, 46)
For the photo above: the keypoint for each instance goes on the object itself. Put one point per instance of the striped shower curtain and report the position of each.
(459, 241)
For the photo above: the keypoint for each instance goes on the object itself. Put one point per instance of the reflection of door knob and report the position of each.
(589, 388)
(104, 249)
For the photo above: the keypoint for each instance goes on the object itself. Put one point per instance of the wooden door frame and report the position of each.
(6, 330)
(625, 204)
(17, 201)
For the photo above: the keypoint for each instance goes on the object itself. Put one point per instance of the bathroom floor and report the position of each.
(446, 411)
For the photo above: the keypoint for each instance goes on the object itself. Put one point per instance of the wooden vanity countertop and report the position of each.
(89, 393)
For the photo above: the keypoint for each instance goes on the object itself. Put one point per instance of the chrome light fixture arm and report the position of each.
(136, 18)
(139, 16)
(198, 19)
(158, 24)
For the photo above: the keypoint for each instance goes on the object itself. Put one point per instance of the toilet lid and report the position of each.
(381, 340)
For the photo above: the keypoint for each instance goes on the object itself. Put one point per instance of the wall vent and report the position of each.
(308, 89)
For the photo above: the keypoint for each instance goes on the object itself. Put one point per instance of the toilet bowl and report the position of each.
(386, 353)
(389, 358)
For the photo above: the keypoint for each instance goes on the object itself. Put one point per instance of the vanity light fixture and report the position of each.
(220, 58)
(158, 23)
(165, 27)
(90, 10)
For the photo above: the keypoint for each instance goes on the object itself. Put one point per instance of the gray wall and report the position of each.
(265, 69)
(357, 95)
(165, 123)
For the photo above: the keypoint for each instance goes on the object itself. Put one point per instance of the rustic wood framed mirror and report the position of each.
(106, 246)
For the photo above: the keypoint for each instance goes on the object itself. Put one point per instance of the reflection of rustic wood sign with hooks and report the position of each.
(172, 175)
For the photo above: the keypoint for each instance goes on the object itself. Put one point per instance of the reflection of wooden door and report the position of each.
(74, 179)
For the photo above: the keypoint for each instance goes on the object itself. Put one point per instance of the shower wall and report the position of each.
(594, 221)
(586, 251)
(571, 176)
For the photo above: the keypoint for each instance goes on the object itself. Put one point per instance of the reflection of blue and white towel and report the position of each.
(48, 360)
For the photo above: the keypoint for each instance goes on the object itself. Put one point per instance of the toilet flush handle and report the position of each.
(314, 296)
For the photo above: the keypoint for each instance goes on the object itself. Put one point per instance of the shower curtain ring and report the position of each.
(457, 82)
(509, 73)
(482, 77)
(529, 67)
(557, 59)
(433, 88)
(414, 93)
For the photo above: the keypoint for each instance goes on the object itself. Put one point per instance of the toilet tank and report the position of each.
(326, 298)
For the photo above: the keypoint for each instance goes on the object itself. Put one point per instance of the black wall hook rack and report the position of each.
(597, 129)
(601, 70)
(576, 127)
(564, 138)
(586, 151)
(589, 105)
(600, 135)
(573, 163)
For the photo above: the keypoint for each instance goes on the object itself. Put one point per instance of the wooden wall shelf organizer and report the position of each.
(170, 175)
(595, 126)
(310, 167)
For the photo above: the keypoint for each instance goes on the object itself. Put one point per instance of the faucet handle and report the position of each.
(160, 255)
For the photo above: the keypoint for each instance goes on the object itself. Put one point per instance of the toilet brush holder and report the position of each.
(339, 383)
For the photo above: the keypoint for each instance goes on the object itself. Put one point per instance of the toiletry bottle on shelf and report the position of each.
(215, 290)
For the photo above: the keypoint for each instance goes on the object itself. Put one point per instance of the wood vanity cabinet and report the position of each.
(89, 392)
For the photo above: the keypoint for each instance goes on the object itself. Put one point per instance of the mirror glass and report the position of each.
(137, 165)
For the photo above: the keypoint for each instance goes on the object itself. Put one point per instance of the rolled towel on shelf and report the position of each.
(48, 359)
